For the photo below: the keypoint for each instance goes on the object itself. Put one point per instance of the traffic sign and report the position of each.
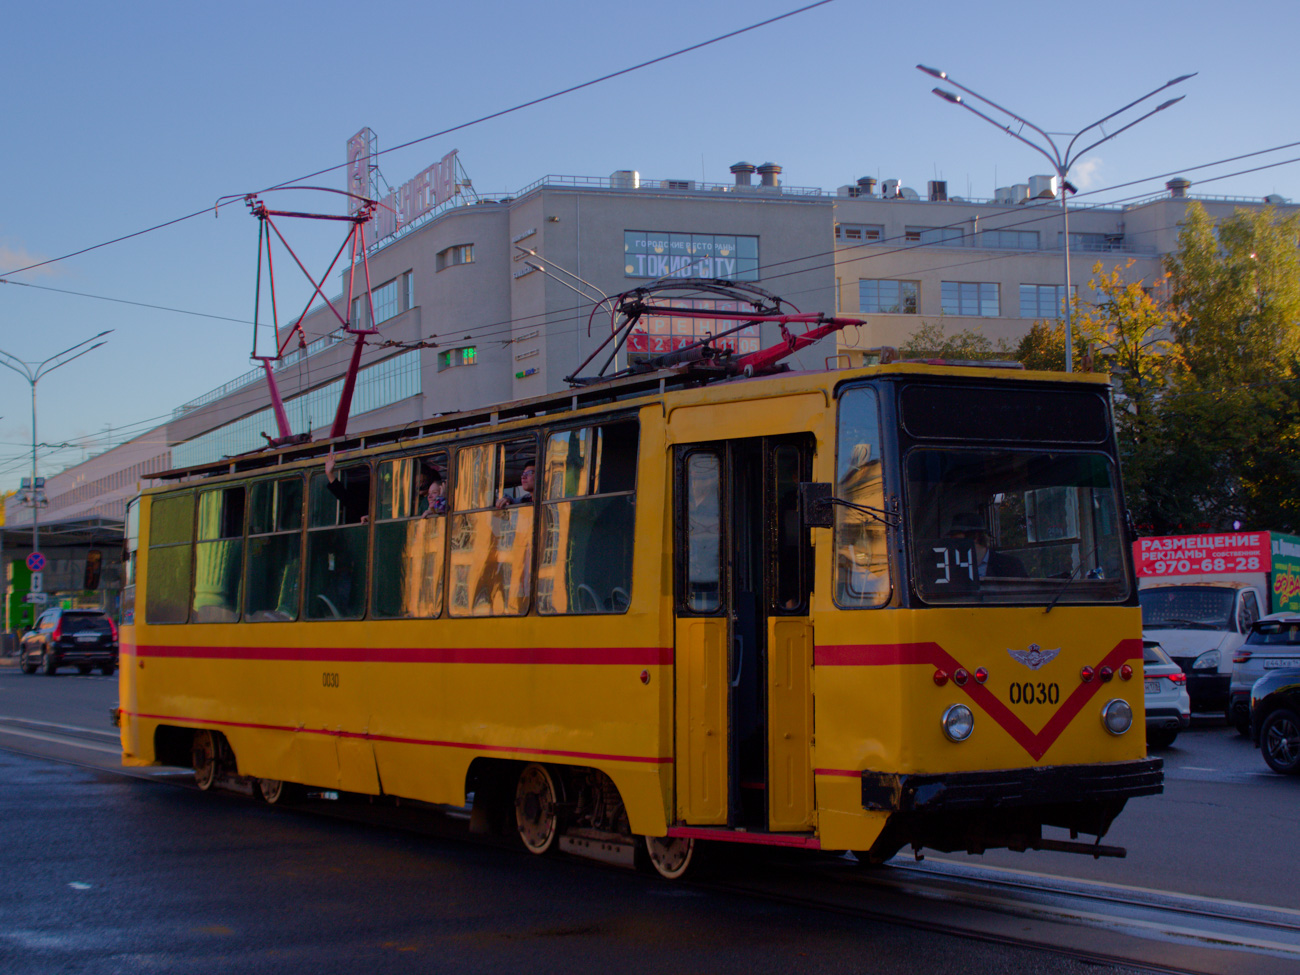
(39, 598)
(36, 561)
(38, 582)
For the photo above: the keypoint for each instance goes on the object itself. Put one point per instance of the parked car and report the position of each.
(1200, 625)
(1168, 707)
(1273, 643)
(81, 638)
(1275, 719)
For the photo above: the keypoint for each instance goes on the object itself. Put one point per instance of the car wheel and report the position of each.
(1279, 740)
(1160, 737)
(83, 669)
(49, 665)
(107, 669)
(25, 664)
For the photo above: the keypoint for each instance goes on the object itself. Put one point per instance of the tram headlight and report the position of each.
(1117, 716)
(958, 722)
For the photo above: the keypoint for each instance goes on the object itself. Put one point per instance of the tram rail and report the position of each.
(1137, 928)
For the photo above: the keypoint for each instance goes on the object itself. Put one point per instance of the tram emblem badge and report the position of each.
(1035, 657)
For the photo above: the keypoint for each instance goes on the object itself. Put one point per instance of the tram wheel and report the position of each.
(276, 792)
(203, 755)
(668, 856)
(535, 815)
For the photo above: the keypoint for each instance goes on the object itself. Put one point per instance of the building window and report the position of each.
(467, 356)
(659, 254)
(858, 233)
(949, 236)
(1096, 242)
(1026, 240)
(969, 298)
(889, 297)
(451, 256)
(387, 299)
(1042, 300)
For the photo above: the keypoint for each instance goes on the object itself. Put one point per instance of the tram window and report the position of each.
(789, 554)
(491, 528)
(1041, 526)
(218, 556)
(703, 502)
(171, 531)
(588, 520)
(337, 538)
(861, 554)
(341, 500)
(274, 550)
(410, 534)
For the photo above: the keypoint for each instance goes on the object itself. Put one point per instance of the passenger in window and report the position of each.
(989, 561)
(526, 483)
(433, 500)
(355, 499)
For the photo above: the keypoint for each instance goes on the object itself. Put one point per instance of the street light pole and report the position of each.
(33, 373)
(1061, 161)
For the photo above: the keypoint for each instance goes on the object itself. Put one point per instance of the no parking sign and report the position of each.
(36, 561)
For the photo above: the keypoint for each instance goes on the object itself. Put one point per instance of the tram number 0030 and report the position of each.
(1031, 693)
(329, 679)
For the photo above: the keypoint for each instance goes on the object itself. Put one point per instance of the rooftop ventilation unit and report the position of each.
(1276, 199)
(889, 189)
(938, 190)
(1011, 195)
(677, 184)
(625, 179)
(1042, 187)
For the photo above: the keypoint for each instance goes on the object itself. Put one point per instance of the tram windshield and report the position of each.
(1014, 526)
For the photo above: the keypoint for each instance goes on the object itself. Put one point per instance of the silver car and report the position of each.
(1273, 643)
(1168, 707)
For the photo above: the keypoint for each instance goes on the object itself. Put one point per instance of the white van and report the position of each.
(1201, 624)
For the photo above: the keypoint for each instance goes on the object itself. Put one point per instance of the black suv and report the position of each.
(82, 638)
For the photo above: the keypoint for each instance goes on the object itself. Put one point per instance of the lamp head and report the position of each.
(933, 72)
(948, 96)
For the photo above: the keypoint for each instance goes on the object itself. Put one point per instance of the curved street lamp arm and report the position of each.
(1005, 111)
(956, 100)
(1120, 111)
(42, 370)
(1141, 118)
(25, 371)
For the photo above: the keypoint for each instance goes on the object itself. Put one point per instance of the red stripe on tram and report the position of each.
(931, 654)
(394, 739)
(587, 656)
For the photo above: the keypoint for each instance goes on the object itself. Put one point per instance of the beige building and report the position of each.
(482, 300)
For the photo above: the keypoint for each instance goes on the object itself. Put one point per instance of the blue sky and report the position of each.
(119, 117)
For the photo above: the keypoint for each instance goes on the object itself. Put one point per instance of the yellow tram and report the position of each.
(854, 609)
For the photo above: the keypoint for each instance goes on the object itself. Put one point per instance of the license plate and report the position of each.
(1153, 687)
(87, 637)
(1273, 663)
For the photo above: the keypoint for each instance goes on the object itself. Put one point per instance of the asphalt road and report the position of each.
(105, 873)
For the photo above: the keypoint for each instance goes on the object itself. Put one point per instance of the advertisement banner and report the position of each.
(1181, 555)
(1286, 573)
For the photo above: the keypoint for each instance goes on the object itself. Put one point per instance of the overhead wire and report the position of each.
(435, 135)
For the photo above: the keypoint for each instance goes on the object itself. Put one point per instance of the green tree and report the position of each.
(1230, 420)
(930, 341)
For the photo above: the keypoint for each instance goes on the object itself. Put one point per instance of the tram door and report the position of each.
(743, 635)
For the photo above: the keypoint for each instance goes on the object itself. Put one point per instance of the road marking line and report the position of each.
(4, 718)
(61, 741)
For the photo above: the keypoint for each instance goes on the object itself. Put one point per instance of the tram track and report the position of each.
(1137, 928)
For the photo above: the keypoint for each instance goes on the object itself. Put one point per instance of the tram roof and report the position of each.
(630, 390)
